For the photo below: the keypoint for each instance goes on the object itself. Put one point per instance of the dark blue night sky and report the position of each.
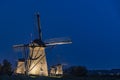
(93, 26)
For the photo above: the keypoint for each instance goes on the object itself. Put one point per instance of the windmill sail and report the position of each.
(39, 27)
(58, 41)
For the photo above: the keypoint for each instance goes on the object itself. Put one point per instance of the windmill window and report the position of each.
(41, 69)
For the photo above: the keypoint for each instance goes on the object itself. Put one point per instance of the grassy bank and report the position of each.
(22, 77)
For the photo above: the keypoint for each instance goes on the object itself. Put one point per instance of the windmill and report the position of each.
(35, 61)
(57, 69)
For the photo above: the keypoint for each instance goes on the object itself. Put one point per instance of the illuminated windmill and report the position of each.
(57, 69)
(35, 63)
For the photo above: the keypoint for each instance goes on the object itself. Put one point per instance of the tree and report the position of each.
(77, 71)
(6, 67)
(0, 68)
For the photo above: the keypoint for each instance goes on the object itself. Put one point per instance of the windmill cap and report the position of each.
(59, 64)
(39, 43)
(21, 59)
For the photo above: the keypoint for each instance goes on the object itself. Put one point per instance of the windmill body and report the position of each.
(59, 70)
(20, 67)
(37, 64)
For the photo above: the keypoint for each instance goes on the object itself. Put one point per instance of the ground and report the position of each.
(21, 77)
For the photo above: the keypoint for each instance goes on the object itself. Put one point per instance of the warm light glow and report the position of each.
(20, 68)
(59, 70)
(35, 70)
(39, 65)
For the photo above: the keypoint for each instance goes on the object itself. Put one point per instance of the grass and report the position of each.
(22, 77)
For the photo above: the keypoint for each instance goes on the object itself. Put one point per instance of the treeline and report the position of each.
(76, 71)
(6, 68)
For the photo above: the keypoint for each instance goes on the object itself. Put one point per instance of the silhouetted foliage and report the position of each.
(77, 71)
(0, 69)
(6, 68)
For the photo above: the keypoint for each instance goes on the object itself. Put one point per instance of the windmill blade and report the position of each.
(25, 45)
(20, 45)
(64, 64)
(58, 41)
(39, 27)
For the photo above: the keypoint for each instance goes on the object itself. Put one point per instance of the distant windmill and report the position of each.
(57, 69)
(35, 61)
